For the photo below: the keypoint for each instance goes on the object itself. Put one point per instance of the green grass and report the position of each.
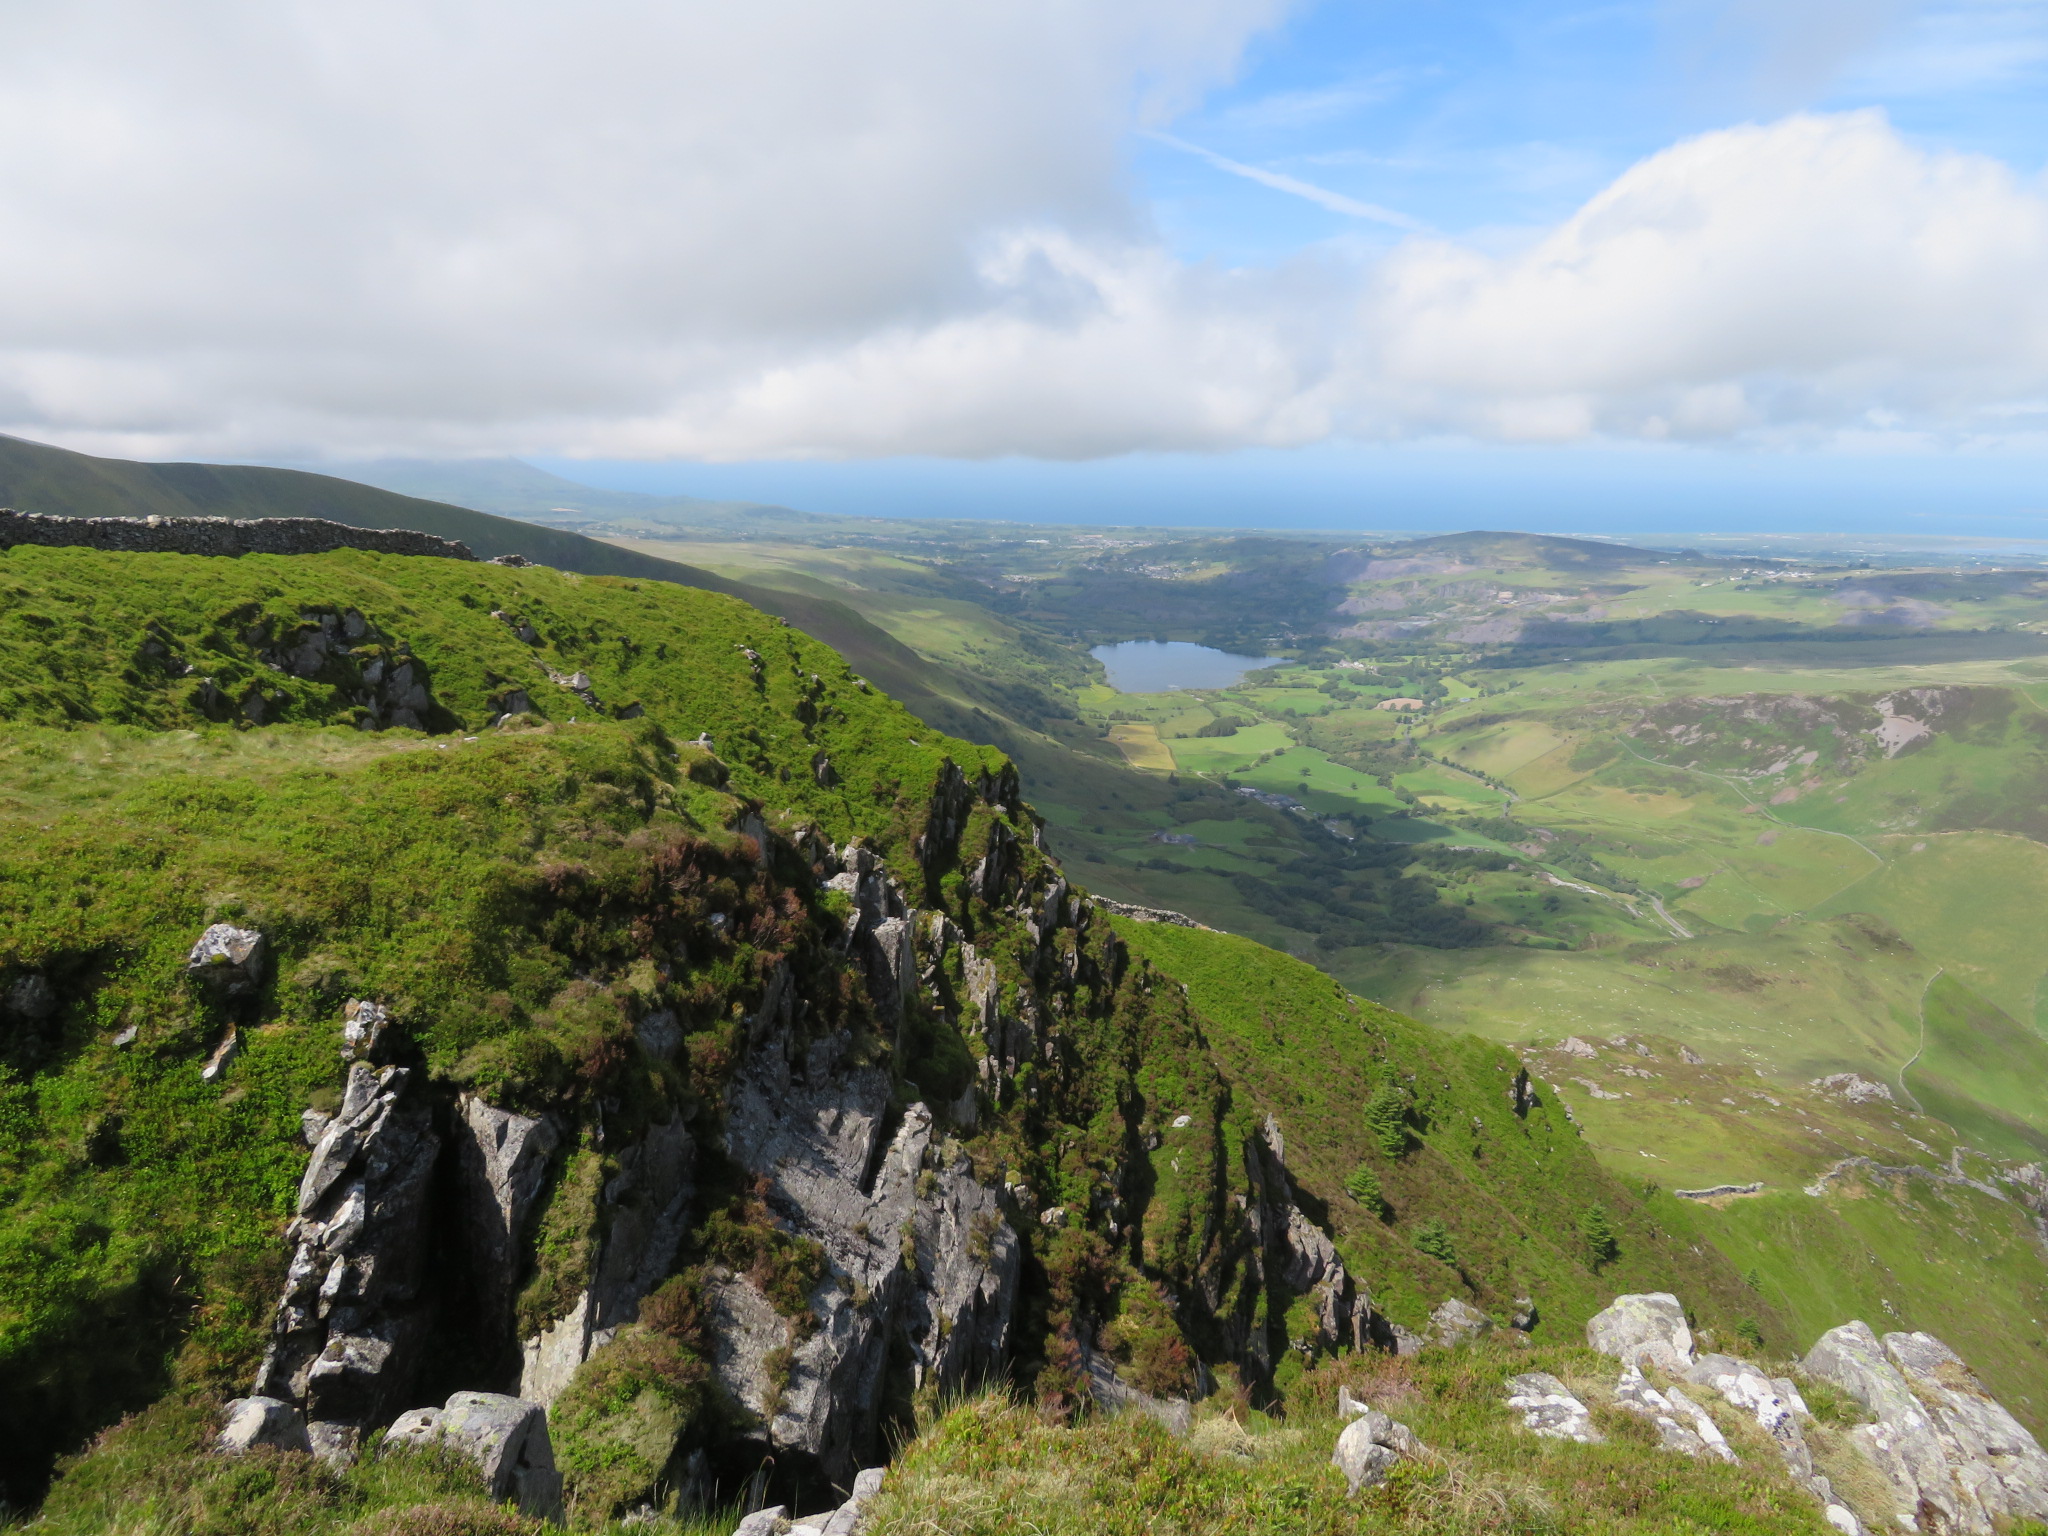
(474, 882)
(1511, 1189)
(986, 1466)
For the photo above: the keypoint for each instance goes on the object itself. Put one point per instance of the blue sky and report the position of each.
(1489, 120)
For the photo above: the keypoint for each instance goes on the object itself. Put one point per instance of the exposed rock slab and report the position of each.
(1549, 1408)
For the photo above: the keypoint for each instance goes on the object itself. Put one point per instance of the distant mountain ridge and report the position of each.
(514, 488)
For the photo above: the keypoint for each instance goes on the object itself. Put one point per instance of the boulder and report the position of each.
(507, 1438)
(1648, 1328)
(1371, 1446)
(1549, 1408)
(772, 1521)
(1777, 1407)
(227, 960)
(250, 1422)
(1458, 1322)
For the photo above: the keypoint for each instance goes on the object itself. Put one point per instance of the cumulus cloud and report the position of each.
(663, 229)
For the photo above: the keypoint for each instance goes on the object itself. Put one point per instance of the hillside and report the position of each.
(807, 1040)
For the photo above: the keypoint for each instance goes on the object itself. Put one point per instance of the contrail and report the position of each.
(1323, 197)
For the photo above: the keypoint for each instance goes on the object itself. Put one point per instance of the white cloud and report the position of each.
(798, 227)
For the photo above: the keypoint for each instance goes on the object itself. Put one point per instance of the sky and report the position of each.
(1622, 266)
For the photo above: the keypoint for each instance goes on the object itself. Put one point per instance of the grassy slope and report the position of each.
(987, 1468)
(143, 1202)
(37, 478)
(1512, 1190)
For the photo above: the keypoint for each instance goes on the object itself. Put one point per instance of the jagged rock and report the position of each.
(1681, 1423)
(1458, 1322)
(1525, 1316)
(250, 1422)
(646, 1206)
(1777, 1407)
(504, 1163)
(1548, 1407)
(364, 1025)
(345, 1336)
(1977, 1426)
(1574, 1046)
(228, 960)
(922, 1265)
(506, 1437)
(772, 1521)
(1955, 1459)
(1904, 1443)
(1371, 1446)
(1644, 1328)
(1521, 1093)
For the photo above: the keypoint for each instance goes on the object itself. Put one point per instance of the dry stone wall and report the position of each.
(219, 535)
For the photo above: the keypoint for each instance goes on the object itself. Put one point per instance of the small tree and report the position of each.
(1434, 1239)
(1597, 1228)
(1386, 1116)
(1364, 1187)
(1751, 1332)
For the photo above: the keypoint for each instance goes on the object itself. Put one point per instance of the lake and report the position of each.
(1156, 666)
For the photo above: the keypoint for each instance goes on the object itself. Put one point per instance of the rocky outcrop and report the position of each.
(1111, 1394)
(506, 1437)
(644, 1211)
(1777, 1408)
(1682, 1425)
(1954, 1459)
(920, 1258)
(219, 535)
(1139, 914)
(345, 1338)
(504, 1163)
(1549, 1408)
